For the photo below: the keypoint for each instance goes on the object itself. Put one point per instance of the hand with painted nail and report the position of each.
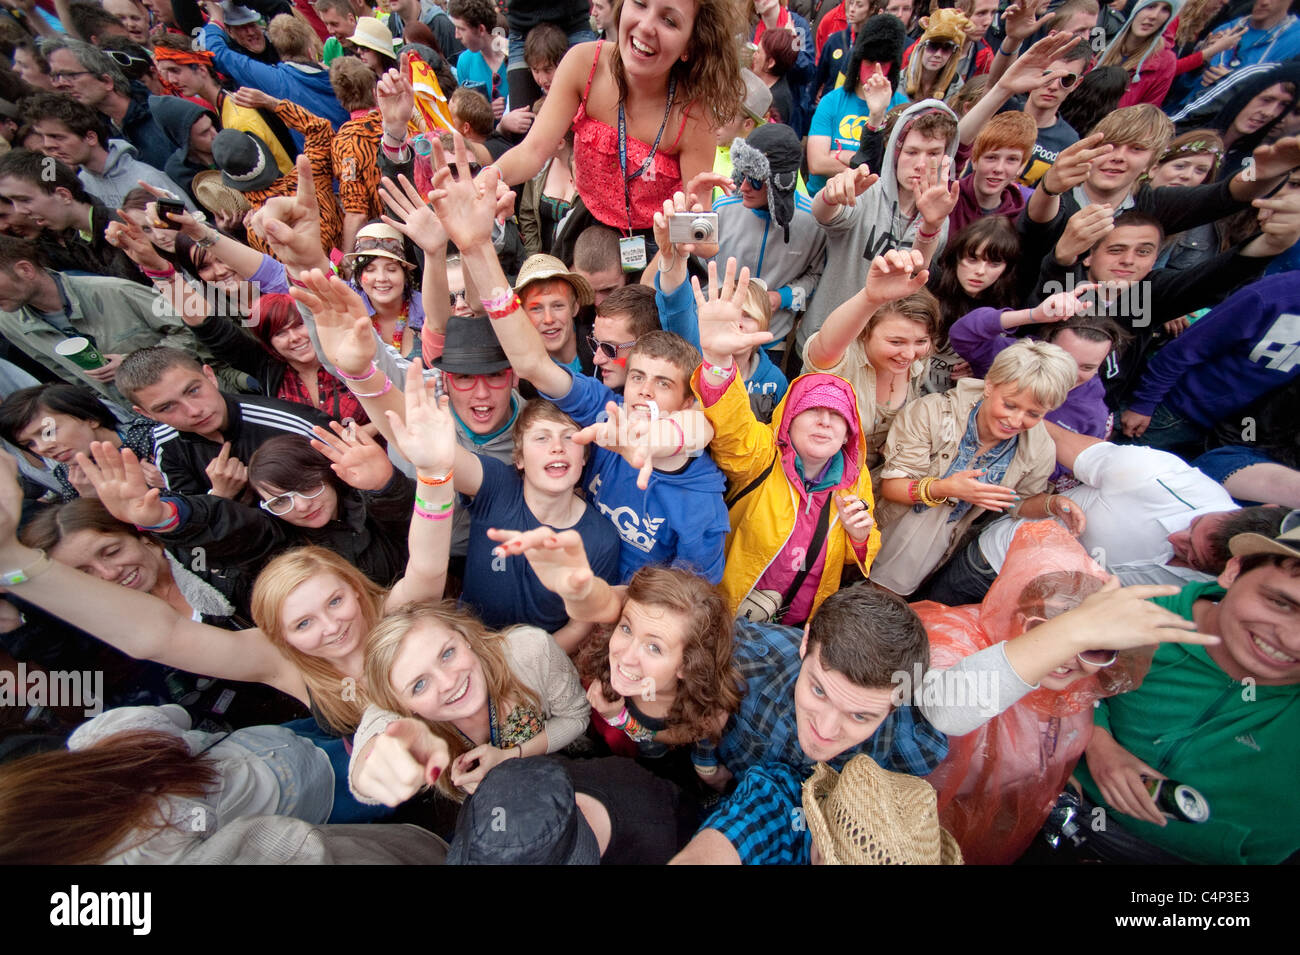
(399, 762)
(557, 558)
(969, 486)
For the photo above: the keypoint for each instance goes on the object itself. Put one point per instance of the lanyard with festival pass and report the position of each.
(494, 731)
(631, 248)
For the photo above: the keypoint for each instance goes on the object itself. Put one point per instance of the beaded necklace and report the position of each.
(399, 330)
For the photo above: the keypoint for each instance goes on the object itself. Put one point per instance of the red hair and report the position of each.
(274, 313)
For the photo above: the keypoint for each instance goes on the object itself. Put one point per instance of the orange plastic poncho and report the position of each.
(998, 784)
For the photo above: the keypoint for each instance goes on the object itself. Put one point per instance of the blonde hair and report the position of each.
(758, 306)
(274, 585)
(1142, 125)
(386, 641)
(1047, 372)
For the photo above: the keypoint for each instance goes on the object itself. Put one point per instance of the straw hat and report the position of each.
(379, 241)
(540, 268)
(215, 196)
(373, 35)
(869, 816)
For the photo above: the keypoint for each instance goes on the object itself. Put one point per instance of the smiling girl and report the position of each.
(1140, 49)
(385, 278)
(312, 608)
(981, 446)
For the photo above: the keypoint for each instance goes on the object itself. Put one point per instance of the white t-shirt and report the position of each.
(1134, 498)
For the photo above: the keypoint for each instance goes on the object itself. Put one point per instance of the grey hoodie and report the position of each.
(122, 173)
(859, 233)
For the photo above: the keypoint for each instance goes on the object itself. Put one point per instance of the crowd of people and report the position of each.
(857, 433)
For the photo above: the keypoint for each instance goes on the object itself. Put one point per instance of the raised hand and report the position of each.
(427, 438)
(1222, 40)
(879, 92)
(1074, 163)
(342, 324)
(291, 224)
(937, 195)
(401, 761)
(635, 437)
(228, 476)
(189, 225)
(1030, 70)
(1064, 305)
(396, 101)
(130, 238)
(1084, 229)
(843, 188)
(895, 274)
(121, 486)
(558, 558)
(412, 216)
(1279, 221)
(1020, 21)
(722, 316)
(354, 456)
(467, 208)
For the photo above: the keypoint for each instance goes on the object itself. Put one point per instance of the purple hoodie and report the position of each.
(968, 208)
(979, 336)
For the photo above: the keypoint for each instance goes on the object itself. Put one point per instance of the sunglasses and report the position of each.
(122, 58)
(1066, 81)
(941, 46)
(461, 296)
(377, 244)
(1093, 658)
(608, 349)
(282, 504)
(499, 379)
(755, 184)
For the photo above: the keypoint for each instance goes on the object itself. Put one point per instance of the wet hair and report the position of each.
(44, 172)
(145, 367)
(79, 118)
(544, 46)
(24, 406)
(636, 305)
(352, 81)
(1095, 96)
(385, 643)
(868, 635)
(85, 806)
(710, 681)
(289, 462)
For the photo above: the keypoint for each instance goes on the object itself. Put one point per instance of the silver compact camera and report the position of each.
(693, 227)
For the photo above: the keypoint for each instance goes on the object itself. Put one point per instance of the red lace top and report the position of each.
(599, 179)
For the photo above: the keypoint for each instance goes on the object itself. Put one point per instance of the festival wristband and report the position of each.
(388, 386)
(166, 273)
(681, 437)
(369, 374)
(12, 578)
(435, 482)
(435, 508)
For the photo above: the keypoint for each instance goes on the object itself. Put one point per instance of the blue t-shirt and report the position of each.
(473, 72)
(841, 116)
(505, 591)
(680, 519)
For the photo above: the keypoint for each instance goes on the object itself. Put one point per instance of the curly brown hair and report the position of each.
(710, 680)
(710, 74)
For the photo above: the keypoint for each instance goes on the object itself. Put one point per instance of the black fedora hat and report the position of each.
(471, 349)
(245, 161)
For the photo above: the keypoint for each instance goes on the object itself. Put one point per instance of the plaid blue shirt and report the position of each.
(764, 730)
(764, 819)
